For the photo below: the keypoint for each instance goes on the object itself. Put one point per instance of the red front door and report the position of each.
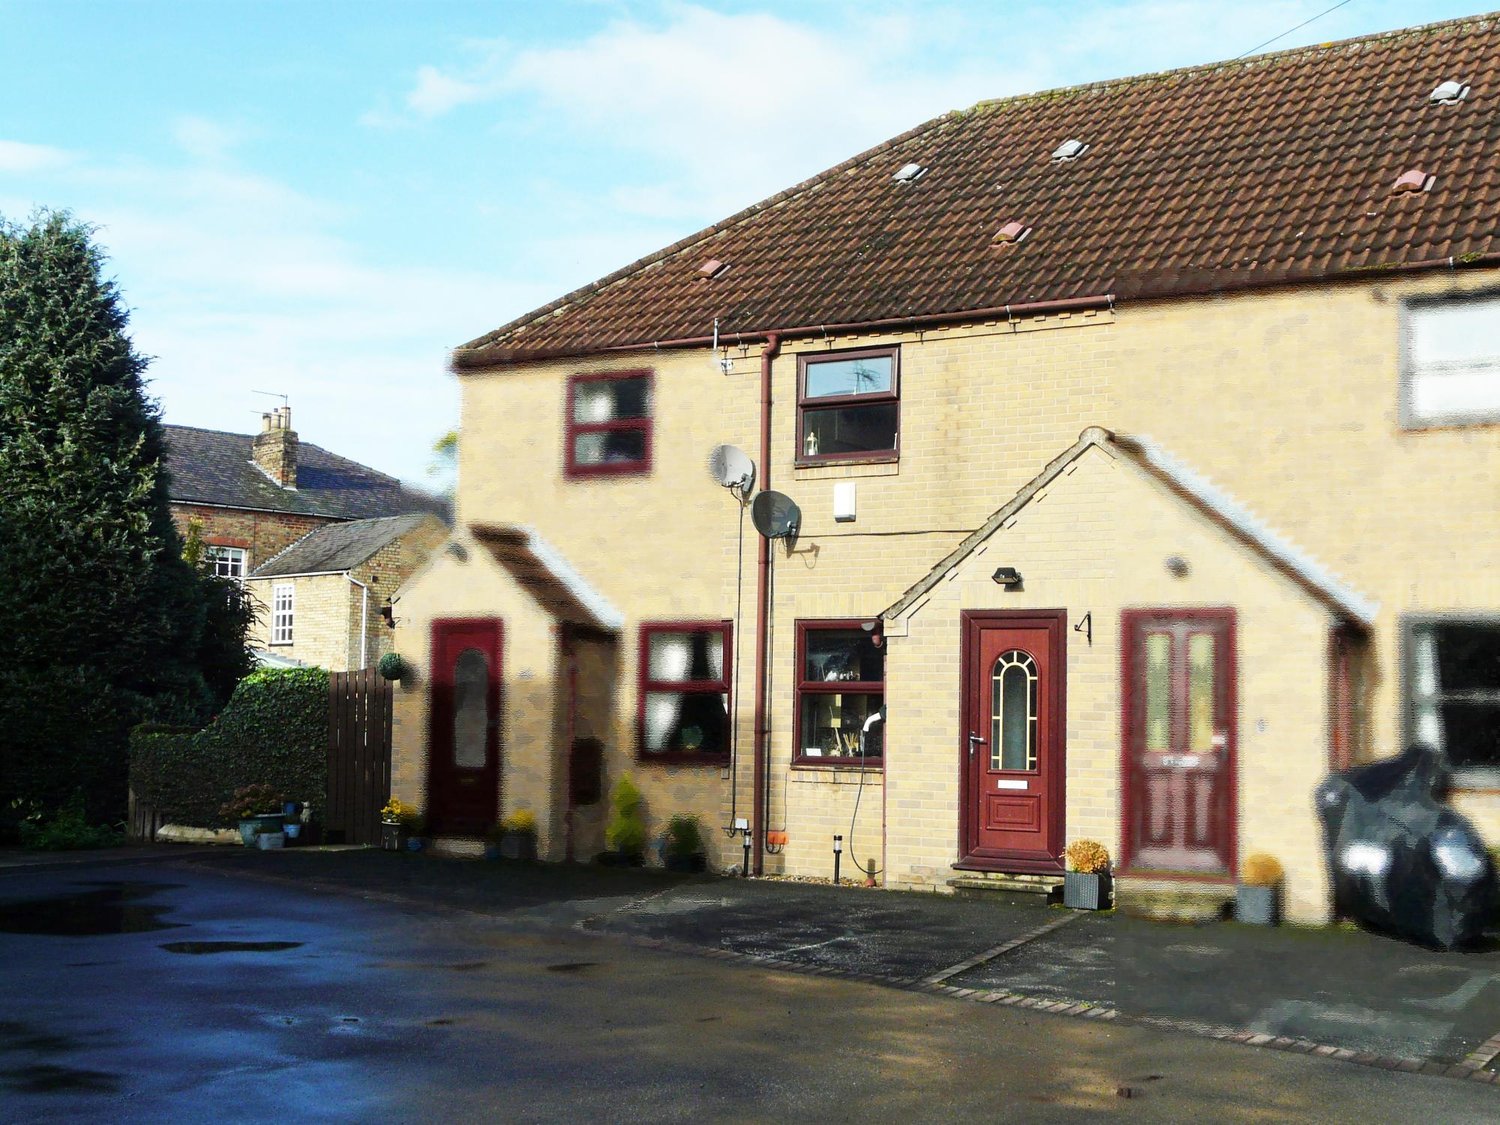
(1179, 740)
(463, 772)
(1012, 740)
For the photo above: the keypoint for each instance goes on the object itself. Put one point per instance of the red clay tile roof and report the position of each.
(1272, 169)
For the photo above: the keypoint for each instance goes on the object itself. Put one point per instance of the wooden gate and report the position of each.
(359, 756)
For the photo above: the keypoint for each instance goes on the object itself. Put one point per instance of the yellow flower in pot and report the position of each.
(1257, 896)
(1087, 883)
(518, 835)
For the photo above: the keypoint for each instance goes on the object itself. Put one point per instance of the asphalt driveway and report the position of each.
(370, 988)
(1388, 1002)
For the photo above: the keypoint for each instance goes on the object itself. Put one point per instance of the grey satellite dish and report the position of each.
(732, 467)
(775, 515)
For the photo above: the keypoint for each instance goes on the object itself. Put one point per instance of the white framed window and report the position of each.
(227, 562)
(1450, 361)
(282, 611)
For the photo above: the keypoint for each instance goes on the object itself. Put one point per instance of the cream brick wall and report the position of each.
(325, 617)
(1287, 400)
(1095, 542)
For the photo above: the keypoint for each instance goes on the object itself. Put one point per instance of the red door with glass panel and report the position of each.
(1179, 740)
(463, 776)
(1013, 760)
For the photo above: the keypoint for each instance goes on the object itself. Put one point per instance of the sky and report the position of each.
(322, 199)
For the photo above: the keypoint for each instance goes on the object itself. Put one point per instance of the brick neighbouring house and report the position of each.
(1146, 439)
(255, 495)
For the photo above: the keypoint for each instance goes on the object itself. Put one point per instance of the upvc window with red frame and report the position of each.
(848, 405)
(608, 424)
(840, 693)
(684, 671)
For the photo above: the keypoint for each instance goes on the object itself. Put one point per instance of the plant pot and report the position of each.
(1257, 906)
(290, 809)
(518, 845)
(248, 829)
(492, 851)
(415, 843)
(266, 841)
(1086, 892)
(392, 836)
(292, 829)
(685, 864)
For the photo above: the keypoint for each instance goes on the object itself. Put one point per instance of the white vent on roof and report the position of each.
(908, 172)
(1447, 93)
(1068, 150)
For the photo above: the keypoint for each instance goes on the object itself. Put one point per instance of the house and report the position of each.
(329, 591)
(252, 497)
(1137, 456)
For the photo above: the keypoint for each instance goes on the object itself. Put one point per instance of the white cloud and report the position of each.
(18, 157)
(205, 139)
(436, 93)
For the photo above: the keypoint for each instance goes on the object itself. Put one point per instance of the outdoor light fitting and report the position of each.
(1007, 576)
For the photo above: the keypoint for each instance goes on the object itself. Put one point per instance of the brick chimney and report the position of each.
(275, 447)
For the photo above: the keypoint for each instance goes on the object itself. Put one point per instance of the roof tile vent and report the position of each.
(1068, 150)
(713, 268)
(1011, 232)
(1448, 93)
(1414, 179)
(909, 172)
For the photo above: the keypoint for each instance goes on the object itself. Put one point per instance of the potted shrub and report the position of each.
(518, 838)
(1086, 884)
(494, 835)
(683, 846)
(399, 823)
(1257, 896)
(626, 832)
(257, 809)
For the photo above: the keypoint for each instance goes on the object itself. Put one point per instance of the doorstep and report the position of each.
(976, 884)
(1164, 899)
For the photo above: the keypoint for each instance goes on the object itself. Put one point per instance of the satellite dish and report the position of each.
(732, 467)
(775, 515)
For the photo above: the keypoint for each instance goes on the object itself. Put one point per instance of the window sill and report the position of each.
(876, 765)
(1485, 782)
(841, 462)
(622, 469)
(710, 761)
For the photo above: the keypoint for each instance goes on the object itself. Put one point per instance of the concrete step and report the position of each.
(977, 884)
(1173, 900)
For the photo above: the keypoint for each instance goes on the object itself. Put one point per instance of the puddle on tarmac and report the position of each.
(229, 946)
(44, 1078)
(112, 908)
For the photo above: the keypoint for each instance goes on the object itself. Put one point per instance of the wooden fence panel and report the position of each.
(359, 755)
(142, 820)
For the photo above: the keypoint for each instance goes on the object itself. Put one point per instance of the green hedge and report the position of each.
(273, 731)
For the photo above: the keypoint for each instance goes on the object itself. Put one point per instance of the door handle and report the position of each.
(974, 740)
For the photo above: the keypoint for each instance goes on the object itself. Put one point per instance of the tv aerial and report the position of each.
(775, 515)
(731, 467)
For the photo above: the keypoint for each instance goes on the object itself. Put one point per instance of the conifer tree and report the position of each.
(103, 617)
